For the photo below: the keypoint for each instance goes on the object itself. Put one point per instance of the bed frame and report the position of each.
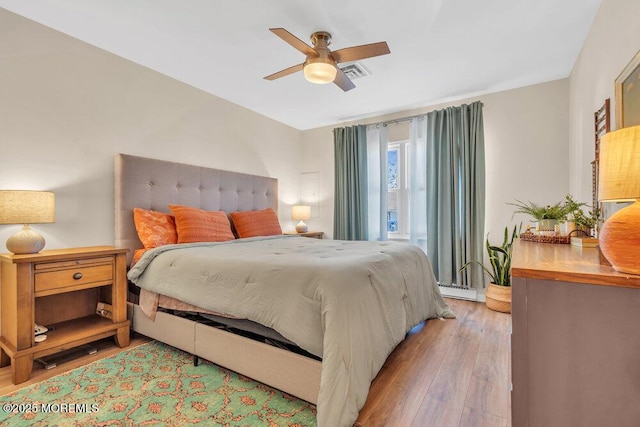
(154, 184)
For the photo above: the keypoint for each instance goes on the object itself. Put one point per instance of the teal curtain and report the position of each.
(350, 203)
(456, 193)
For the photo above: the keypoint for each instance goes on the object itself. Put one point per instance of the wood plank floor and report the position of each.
(450, 373)
(454, 372)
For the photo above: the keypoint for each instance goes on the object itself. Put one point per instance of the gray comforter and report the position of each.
(349, 303)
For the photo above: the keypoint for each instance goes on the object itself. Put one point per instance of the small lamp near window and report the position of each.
(301, 213)
(619, 180)
(26, 207)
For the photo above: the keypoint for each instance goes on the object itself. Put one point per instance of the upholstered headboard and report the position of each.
(154, 184)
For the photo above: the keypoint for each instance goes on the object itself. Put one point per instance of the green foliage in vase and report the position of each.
(538, 212)
(569, 209)
(577, 215)
(587, 221)
(572, 206)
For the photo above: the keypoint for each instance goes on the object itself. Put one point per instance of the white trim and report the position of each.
(467, 294)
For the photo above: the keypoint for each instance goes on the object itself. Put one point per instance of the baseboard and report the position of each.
(466, 294)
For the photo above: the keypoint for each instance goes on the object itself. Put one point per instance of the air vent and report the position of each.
(355, 71)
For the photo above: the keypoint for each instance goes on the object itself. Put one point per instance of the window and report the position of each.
(398, 190)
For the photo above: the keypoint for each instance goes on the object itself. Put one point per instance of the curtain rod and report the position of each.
(404, 119)
(396, 121)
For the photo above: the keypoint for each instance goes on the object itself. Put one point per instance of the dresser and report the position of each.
(60, 289)
(575, 344)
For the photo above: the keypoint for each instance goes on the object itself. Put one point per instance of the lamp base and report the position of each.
(301, 227)
(25, 241)
(620, 239)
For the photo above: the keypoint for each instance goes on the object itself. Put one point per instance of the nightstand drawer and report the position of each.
(82, 262)
(71, 277)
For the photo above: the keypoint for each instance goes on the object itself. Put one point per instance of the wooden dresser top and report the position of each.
(567, 263)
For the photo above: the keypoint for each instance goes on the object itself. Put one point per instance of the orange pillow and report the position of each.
(155, 228)
(137, 254)
(197, 225)
(256, 223)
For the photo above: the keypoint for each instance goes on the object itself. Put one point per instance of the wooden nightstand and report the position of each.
(312, 234)
(60, 289)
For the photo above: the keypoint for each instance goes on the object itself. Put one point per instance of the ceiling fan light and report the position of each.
(320, 72)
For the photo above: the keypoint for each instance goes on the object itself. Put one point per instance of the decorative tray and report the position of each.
(530, 237)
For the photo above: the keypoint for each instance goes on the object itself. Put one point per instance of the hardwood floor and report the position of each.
(448, 373)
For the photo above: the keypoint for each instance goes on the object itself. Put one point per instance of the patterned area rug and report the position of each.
(153, 384)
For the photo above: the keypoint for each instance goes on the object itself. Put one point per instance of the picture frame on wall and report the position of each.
(627, 93)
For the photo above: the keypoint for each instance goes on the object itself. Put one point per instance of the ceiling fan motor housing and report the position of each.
(320, 39)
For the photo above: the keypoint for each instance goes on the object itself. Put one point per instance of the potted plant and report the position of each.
(498, 293)
(574, 212)
(577, 219)
(546, 216)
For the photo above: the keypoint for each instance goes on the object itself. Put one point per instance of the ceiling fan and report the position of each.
(321, 63)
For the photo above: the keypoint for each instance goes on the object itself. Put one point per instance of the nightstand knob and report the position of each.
(77, 276)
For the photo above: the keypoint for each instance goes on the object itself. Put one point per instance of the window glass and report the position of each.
(397, 196)
(392, 212)
(392, 221)
(392, 168)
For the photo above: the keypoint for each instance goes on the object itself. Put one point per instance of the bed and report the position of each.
(346, 305)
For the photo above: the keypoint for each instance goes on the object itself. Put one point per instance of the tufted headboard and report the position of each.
(154, 184)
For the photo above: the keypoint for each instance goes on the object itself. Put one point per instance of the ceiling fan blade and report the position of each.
(343, 81)
(285, 72)
(356, 53)
(293, 41)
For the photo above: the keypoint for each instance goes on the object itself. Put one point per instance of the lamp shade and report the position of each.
(27, 207)
(619, 180)
(301, 213)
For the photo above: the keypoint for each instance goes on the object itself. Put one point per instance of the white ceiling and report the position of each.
(441, 50)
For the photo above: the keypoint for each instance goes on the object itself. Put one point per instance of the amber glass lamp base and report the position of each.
(620, 239)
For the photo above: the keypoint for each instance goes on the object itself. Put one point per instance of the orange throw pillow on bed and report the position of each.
(155, 228)
(137, 254)
(256, 223)
(197, 225)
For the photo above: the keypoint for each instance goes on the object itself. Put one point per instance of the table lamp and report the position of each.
(619, 180)
(26, 207)
(301, 213)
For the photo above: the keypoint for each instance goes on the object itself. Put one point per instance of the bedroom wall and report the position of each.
(614, 38)
(66, 108)
(526, 151)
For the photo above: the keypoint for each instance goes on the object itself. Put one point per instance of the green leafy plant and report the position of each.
(577, 215)
(538, 212)
(572, 207)
(499, 259)
(588, 220)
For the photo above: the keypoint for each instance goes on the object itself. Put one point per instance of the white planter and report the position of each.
(547, 224)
